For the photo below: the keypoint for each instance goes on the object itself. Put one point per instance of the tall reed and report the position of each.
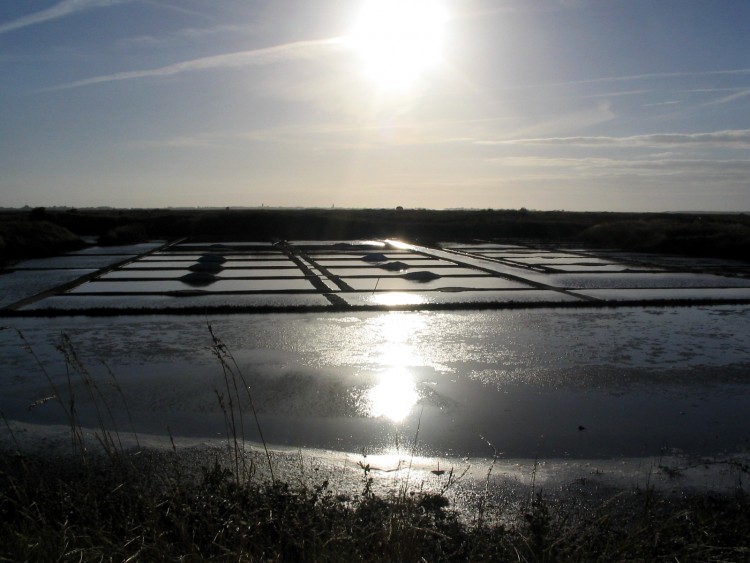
(233, 377)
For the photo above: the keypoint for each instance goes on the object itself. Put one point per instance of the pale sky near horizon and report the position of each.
(616, 105)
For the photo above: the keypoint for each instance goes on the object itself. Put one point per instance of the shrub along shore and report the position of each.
(41, 231)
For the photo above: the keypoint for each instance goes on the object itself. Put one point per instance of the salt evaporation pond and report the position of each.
(534, 383)
(353, 375)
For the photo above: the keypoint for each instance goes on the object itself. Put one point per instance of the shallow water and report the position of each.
(149, 286)
(15, 286)
(399, 284)
(544, 383)
(472, 276)
(574, 384)
(291, 272)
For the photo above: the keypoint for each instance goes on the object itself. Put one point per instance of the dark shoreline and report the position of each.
(244, 310)
(41, 231)
(145, 505)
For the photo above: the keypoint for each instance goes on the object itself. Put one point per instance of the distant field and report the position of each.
(38, 232)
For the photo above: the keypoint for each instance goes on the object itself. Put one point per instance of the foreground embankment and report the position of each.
(142, 504)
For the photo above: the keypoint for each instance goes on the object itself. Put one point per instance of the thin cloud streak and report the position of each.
(628, 78)
(255, 57)
(730, 98)
(650, 76)
(727, 172)
(739, 138)
(191, 33)
(64, 8)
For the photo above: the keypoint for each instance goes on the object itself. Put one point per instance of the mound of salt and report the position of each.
(375, 257)
(421, 276)
(198, 278)
(394, 266)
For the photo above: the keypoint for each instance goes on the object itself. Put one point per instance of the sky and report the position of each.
(612, 105)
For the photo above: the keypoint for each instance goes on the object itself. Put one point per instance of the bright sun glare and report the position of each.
(399, 40)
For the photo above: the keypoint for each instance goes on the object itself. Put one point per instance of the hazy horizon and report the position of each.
(577, 105)
(344, 208)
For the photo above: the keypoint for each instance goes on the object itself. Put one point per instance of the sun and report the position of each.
(399, 40)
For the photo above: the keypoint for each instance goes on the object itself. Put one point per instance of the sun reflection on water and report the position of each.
(394, 395)
(395, 298)
(400, 245)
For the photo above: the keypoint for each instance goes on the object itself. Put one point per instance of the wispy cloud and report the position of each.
(730, 97)
(728, 171)
(187, 34)
(620, 94)
(660, 104)
(255, 57)
(62, 9)
(630, 78)
(739, 138)
(655, 75)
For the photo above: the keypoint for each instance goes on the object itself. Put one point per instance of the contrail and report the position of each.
(730, 98)
(60, 10)
(255, 57)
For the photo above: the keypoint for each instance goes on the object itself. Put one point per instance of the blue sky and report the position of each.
(621, 105)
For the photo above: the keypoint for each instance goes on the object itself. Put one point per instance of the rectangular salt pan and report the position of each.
(228, 264)
(426, 263)
(159, 302)
(131, 249)
(87, 261)
(707, 294)
(554, 260)
(376, 272)
(635, 281)
(223, 274)
(167, 256)
(168, 286)
(592, 268)
(396, 299)
(399, 284)
(22, 285)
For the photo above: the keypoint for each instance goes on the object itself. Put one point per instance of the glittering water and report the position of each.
(540, 382)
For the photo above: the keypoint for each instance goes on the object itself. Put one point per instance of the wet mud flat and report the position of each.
(503, 353)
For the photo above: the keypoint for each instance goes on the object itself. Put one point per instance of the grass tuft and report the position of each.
(138, 507)
(120, 504)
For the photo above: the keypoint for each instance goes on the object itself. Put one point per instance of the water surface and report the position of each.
(544, 383)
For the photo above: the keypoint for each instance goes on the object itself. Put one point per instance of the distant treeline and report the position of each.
(41, 231)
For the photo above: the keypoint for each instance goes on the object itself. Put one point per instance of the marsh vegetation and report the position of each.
(107, 500)
(146, 507)
(50, 231)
